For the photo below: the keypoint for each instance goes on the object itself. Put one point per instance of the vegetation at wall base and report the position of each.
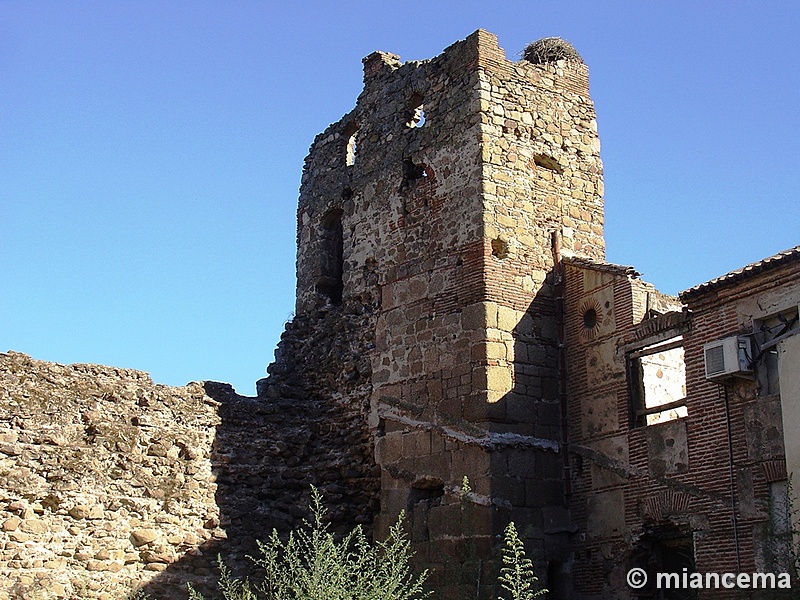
(517, 576)
(311, 564)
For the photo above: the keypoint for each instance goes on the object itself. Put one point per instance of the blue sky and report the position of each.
(151, 152)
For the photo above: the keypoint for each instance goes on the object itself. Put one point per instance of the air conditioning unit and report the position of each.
(729, 357)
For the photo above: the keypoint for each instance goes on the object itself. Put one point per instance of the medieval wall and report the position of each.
(106, 478)
(433, 207)
(109, 482)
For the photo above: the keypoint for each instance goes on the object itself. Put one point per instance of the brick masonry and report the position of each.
(705, 478)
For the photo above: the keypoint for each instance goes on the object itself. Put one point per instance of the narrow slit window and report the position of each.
(330, 282)
(351, 134)
(416, 111)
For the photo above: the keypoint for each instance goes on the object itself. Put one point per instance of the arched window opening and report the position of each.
(416, 111)
(351, 135)
(330, 282)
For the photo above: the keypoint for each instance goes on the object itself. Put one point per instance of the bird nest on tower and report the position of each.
(550, 49)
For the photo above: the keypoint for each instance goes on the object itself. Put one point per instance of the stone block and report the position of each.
(474, 316)
(507, 318)
(34, 526)
(142, 537)
(606, 514)
(556, 519)
(445, 521)
(498, 379)
(540, 493)
(521, 463)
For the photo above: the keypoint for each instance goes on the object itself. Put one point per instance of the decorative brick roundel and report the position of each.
(592, 315)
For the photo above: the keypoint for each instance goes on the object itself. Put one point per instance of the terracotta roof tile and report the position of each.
(790, 255)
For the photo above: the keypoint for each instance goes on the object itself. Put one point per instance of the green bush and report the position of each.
(517, 576)
(311, 565)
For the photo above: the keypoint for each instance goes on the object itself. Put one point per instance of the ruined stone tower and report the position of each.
(428, 222)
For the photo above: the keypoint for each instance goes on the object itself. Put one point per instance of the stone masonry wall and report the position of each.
(105, 478)
(434, 206)
(109, 481)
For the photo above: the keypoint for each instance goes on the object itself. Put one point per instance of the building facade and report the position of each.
(675, 465)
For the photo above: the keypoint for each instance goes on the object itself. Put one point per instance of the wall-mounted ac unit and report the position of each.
(729, 357)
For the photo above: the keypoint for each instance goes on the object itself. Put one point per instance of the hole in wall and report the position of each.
(426, 490)
(413, 173)
(416, 111)
(500, 248)
(351, 135)
(547, 162)
(590, 318)
(330, 281)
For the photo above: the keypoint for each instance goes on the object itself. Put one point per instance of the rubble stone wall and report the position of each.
(109, 482)
(105, 478)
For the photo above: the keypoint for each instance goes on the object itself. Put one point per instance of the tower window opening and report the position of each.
(547, 162)
(416, 111)
(330, 281)
(413, 172)
(351, 134)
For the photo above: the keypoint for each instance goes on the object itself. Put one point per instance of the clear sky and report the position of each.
(151, 152)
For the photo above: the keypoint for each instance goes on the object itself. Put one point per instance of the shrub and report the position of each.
(517, 576)
(311, 565)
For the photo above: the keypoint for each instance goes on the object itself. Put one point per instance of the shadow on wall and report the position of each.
(267, 454)
(530, 475)
(506, 445)
(528, 468)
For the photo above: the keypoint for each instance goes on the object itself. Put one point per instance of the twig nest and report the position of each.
(550, 49)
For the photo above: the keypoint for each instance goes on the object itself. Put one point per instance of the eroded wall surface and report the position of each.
(105, 478)
(109, 482)
(700, 487)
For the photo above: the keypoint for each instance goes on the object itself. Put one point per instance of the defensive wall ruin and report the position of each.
(455, 319)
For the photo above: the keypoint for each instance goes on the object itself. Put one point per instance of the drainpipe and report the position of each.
(561, 328)
(734, 517)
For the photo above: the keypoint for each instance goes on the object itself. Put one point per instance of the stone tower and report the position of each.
(430, 221)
